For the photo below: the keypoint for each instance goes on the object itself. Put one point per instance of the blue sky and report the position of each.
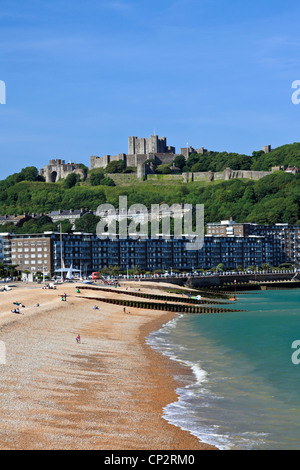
(82, 76)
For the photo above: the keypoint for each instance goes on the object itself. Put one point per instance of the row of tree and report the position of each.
(287, 155)
(273, 199)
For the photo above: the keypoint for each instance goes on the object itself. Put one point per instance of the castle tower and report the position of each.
(131, 145)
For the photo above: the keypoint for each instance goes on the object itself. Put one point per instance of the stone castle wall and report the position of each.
(58, 169)
(131, 160)
(121, 178)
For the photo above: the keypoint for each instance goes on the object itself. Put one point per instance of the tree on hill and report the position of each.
(179, 161)
(71, 180)
(164, 169)
(99, 178)
(286, 155)
(115, 167)
(96, 178)
(29, 173)
(88, 223)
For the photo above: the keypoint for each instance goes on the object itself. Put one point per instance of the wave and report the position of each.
(200, 409)
(173, 413)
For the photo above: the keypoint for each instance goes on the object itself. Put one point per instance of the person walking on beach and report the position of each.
(78, 339)
(65, 296)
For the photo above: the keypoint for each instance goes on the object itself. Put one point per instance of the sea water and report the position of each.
(244, 392)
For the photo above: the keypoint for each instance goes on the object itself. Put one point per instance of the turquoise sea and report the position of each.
(244, 392)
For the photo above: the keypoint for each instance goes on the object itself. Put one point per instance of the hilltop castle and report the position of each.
(140, 151)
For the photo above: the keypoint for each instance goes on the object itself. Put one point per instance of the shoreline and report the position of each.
(107, 393)
(171, 369)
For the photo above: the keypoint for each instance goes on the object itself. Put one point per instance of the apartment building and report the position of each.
(50, 251)
(278, 238)
(31, 254)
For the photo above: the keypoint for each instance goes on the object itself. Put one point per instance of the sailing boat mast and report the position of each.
(61, 251)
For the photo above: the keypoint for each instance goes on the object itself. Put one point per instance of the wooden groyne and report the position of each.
(255, 285)
(144, 295)
(165, 306)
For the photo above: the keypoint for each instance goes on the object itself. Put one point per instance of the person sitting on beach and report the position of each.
(17, 310)
(95, 307)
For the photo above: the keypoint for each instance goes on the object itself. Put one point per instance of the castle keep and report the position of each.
(139, 151)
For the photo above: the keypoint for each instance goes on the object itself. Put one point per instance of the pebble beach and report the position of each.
(106, 393)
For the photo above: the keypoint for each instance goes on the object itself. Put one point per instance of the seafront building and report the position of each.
(287, 235)
(240, 245)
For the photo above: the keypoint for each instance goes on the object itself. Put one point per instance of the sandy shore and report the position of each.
(107, 393)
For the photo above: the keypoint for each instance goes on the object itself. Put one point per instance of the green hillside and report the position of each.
(288, 155)
(273, 199)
